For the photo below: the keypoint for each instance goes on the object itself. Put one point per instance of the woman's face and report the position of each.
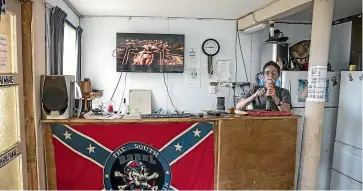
(270, 74)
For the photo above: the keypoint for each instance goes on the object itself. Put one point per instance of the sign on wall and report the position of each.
(4, 54)
(7, 80)
(7, 157)
(317, 83)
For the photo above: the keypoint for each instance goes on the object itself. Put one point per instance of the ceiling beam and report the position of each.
(276, 10)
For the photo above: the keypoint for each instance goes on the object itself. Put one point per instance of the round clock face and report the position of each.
(210, 47)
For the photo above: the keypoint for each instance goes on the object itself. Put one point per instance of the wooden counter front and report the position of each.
(250, 152)
(256, 154)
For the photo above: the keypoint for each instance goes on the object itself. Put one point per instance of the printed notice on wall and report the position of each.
(224, 70)
(4, 60)
(193, 78)
(317, 83)
(192, 54)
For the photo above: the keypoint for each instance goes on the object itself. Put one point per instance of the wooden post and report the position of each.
(26, 30)
(314, 112)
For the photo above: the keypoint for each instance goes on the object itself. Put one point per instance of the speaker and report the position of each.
(58, 96)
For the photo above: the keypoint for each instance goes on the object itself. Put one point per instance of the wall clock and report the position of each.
(210, 48)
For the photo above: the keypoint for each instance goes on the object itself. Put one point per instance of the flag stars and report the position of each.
(167, 172)
(178, 147)
(67, 135)
(107, 176)
(91, 149)
(197, 133)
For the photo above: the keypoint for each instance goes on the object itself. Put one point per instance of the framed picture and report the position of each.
(142, 52)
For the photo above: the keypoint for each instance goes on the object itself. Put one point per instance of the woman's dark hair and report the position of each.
(271, 63)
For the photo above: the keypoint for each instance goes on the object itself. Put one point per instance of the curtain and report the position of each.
(2, 7)
(48, 14)
(57, 20)
(79, 31)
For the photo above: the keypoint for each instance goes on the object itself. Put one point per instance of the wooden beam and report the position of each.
(27, 45)
(50, 169)
(277, 10)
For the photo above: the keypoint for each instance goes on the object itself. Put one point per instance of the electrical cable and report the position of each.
(243, 59)
(118, 82)
(234, 96)
(167, 89)
(113, 52)
(253, 16)
(229, 93)
(215, 100)
(235, 56)
(123, 93)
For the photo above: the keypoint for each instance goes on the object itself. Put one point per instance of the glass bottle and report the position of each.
(269, 103)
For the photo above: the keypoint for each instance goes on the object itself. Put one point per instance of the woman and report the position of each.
(281, 98)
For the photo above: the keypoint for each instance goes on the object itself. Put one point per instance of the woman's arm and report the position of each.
(244, 103)
(284, 106)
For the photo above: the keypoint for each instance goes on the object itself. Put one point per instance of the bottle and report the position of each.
(269, 101)
(124, 112)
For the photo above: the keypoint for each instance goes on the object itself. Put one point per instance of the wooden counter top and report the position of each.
(137, 119)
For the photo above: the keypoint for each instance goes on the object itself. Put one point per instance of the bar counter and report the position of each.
(246, 152)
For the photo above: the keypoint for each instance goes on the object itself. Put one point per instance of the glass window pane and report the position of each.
(70, 51)
(9, 124)
(8, 60)
(11, 175)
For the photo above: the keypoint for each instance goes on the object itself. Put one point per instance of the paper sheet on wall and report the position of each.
(317, 83)
(4, 60)
(192, 58)
(224, 70)
(193, 78)
(192, 54)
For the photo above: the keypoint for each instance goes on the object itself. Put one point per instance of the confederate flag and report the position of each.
(134, 156)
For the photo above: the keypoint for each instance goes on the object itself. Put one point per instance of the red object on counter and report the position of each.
(110, 108)
(268, 113)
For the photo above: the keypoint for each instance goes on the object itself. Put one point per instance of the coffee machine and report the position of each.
(88, 95)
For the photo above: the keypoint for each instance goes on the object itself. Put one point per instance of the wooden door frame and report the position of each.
(28, 93)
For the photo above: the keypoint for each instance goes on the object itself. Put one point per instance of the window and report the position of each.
(70, 50)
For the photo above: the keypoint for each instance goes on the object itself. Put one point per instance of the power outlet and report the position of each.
(212, 89)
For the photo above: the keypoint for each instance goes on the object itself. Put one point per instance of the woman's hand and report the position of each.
(271, 91)
(260, 92)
